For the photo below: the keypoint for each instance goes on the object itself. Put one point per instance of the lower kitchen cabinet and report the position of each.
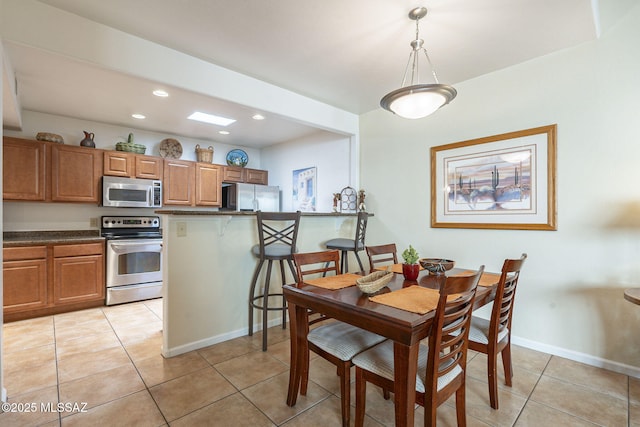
(49, 279)
(78, 273)
(24, 278)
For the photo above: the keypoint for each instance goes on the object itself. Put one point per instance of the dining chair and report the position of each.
(441, 364)
(335, 341)
(493, 336)
(382, 255)
(277, 236)
(354, 245)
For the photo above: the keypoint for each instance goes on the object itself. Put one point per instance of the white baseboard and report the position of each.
(587, 359)
(196, 345)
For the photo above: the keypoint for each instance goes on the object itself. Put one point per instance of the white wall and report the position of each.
(570, 298)
(329, 153)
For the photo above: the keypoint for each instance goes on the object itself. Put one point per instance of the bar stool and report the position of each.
(355, 245)
(277, 234)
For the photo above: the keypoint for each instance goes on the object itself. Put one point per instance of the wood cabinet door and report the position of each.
(149, 167)
(256, 176)
(25, 285)
(118, 163)
(208, 185)
(233, 174)
(23, 169)
(75, 174)
(78, 278)
(178, 183)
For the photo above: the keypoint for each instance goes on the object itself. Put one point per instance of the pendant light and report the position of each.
(415, 100)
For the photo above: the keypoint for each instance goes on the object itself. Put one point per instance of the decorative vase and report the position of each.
(88, 140)
(410, 271)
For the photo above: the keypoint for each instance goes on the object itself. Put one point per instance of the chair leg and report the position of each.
(284, 302)
(345, 262)
(265, 305)
(345, 397)
(506, 363)
(492, 360)
(361, 396)
(359, 261)
(252, 291)
(430, 411)
(461, 406)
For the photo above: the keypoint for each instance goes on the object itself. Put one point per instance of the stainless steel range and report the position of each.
(134, 258)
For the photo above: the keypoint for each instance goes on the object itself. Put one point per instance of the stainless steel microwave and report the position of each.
(131, 193)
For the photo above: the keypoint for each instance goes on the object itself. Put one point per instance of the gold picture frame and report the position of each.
(505, 181)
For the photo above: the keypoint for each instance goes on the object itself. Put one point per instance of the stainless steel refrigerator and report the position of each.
(251, 197)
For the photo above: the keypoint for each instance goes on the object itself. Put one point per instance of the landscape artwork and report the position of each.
(505, 181)
(304, 189)
(494, 182)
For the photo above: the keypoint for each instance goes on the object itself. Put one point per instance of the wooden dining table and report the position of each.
(350, 305)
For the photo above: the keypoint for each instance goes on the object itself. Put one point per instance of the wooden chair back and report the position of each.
(320, 263)
(382, 255)
(502, 311)
(446, 351)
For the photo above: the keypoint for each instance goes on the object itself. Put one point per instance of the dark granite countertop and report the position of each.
(246, 213)
(29, 238)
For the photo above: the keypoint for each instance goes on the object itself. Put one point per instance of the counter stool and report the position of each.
(356, 244)
(277, 234)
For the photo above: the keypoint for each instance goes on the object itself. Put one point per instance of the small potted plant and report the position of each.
(410, 268)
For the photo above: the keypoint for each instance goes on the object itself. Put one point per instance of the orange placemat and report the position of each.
(334, 282)
(396, 268)
(487, 279)
(415, 299)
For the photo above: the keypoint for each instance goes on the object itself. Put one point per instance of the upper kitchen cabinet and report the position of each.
(121, 163)
(23, 169)
(208, 185)
(240, 174)
(178, 183)
(75, 174)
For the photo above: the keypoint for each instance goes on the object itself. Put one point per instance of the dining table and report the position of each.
(349, 304)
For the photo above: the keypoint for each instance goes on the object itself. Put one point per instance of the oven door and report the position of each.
(133, 261)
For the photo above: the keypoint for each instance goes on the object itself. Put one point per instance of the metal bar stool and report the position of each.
(277, 234)
(355, 245)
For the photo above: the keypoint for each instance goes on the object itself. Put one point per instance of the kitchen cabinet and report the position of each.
(47, 279)
(78, 273)
(178, 183)
(24, 278)
(75, 174)
(208, 185)
(131, 165)
(23, 169)
(250, 176)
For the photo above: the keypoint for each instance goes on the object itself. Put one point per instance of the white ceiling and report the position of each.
(346, 53)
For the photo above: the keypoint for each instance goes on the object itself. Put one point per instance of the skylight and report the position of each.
(210, 118)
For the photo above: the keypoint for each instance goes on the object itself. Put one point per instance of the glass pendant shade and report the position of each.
(418, 101)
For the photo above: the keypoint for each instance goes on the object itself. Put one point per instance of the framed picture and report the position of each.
(304, 189)
(503, 181)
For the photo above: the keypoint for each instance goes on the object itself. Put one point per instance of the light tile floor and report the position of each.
(104, 366)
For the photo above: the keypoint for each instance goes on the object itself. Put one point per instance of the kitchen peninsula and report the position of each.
(208, 267)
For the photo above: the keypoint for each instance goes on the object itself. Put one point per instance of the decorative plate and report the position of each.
(170, 148)
(237, 157)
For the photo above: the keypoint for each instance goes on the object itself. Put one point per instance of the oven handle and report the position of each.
(121, 248)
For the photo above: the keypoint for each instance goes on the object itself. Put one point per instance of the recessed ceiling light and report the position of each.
(138, 116)
(223, 132)
(161, 93)
(257, 117)
(210, 118)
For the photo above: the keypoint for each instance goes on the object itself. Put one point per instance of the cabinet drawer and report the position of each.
(78, 250)
(26, 252)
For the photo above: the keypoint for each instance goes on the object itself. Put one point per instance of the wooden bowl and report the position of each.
(436, 265)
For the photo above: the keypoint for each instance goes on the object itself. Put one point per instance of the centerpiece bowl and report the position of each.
(436, 265)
